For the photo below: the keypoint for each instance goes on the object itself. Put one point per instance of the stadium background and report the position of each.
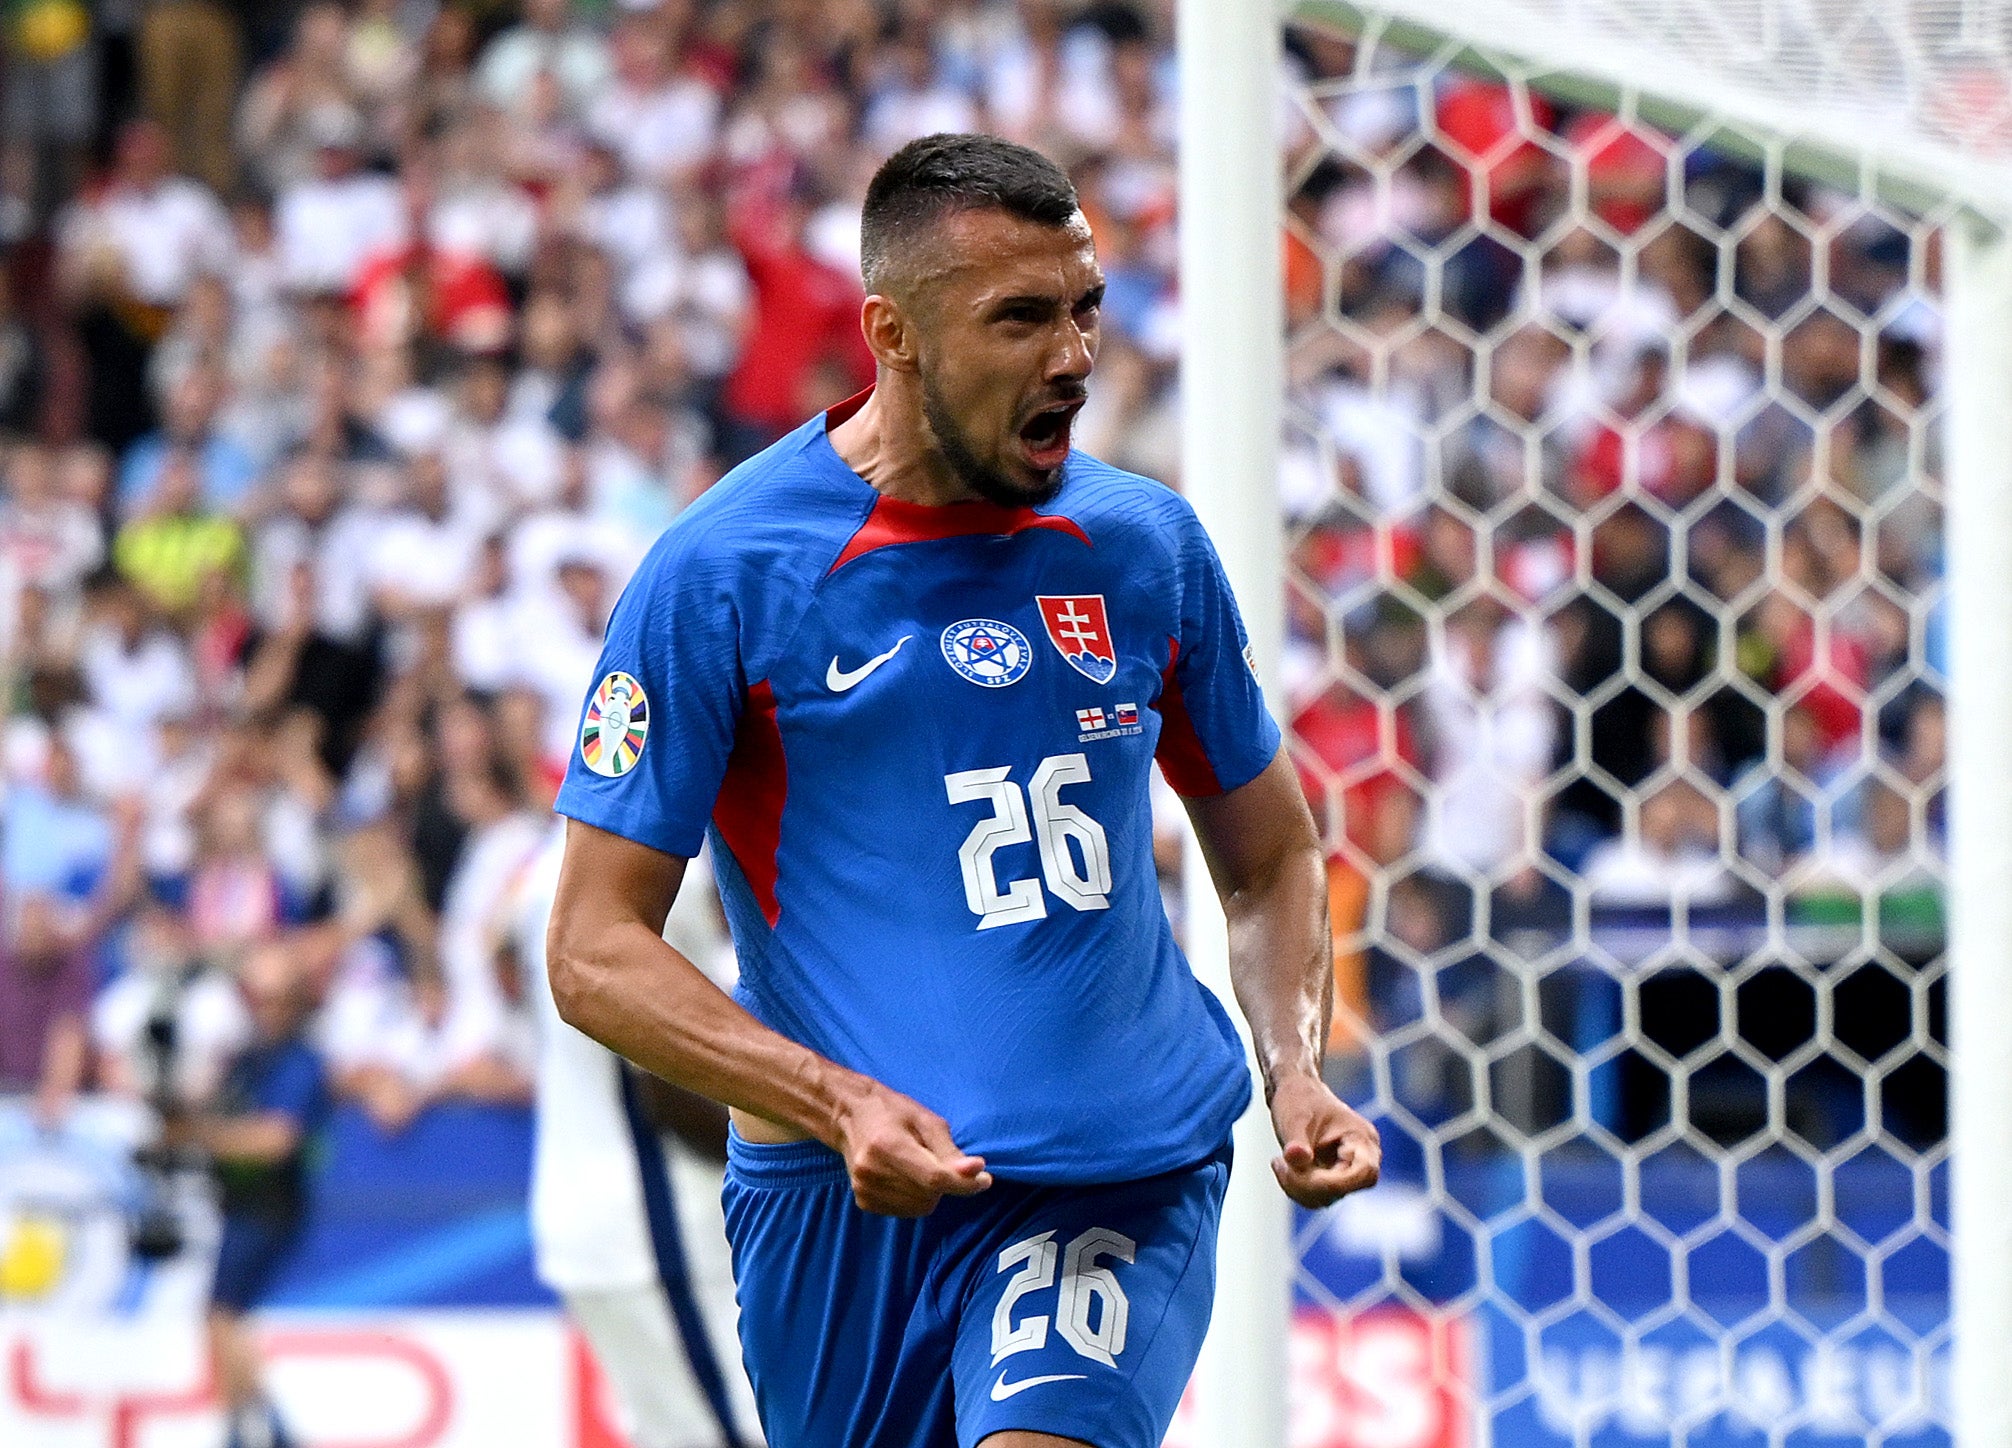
(350, 355)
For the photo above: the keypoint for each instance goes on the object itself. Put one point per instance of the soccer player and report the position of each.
(625, 1216)
(912, 667)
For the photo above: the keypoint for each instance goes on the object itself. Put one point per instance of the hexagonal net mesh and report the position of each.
(1615, 665)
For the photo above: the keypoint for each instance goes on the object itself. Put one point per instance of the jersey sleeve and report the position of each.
(656, 731)
(1215, 732)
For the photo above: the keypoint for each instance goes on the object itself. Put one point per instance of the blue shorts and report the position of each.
(1077, 1311)
(249, 1256)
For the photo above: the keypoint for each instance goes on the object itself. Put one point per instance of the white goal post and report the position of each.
(1912, 106)
(1232, 387)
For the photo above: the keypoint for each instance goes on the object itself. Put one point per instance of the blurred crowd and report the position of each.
(1614, 502)
(352, 354)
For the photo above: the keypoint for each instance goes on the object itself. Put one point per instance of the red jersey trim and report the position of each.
(893, 521)
(840, 412)
(1182, 758)
(749, 809)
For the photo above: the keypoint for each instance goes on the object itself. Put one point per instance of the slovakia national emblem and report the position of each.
(618, 722)
(988, 652)
(1081, 633)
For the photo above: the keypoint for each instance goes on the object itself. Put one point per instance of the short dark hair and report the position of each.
(929, 179)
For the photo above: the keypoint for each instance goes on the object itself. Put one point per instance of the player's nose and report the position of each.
(1075, 352)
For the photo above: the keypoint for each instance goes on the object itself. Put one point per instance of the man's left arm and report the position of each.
(1264, 855)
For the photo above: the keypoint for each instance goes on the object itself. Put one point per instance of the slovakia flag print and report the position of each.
(1080, 632)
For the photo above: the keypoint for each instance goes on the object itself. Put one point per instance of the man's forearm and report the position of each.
(255, 1138)
(640, 998)
(1281, 964)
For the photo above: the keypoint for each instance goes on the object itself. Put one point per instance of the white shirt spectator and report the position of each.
(574, 56)
(512, 463)
(112, 759)
(485, 642)
(491, 861)
(709, 295)
(483, 216)
(415, 420)
(1381, 431)
(139, 683)
(426, 562)
(50, 543)
(375, 1018)
(1493, 728)
(1631, 871)
(339, 551)
(165, 236)
(633, 224)
(543, 540)
(328, 227)
(557, 653)
(181, 768)
(658, 133)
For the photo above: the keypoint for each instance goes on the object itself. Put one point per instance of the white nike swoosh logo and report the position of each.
(1002, 1390)
(838, 680)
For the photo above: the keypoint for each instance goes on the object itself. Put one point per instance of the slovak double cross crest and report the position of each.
(1081, 633)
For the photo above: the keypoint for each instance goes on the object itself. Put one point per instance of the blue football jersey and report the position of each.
(921, 738)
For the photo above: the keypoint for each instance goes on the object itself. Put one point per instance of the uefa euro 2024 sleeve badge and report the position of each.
(618, 723)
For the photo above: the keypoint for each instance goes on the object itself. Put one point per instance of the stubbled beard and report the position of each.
(987, 482)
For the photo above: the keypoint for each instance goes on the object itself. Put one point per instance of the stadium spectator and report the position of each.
(176, 540)
(167, 1028)
(548, 41)
(1672, 856)
(803, 349)
(661, 117)
(1492, 731)
(258, 1133)
(45, 999)
(58, 840)
(331, 221)
(48, 542)
(225, 468)
(148, 233)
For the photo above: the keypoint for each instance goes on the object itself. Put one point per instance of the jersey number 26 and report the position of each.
(1080, 876)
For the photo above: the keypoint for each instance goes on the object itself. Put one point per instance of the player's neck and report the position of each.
(887, 443)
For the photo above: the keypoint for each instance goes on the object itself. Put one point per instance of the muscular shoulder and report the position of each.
(1147, 520)
(752, 548)
(780, 511)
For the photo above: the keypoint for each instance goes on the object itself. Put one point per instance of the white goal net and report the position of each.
(1613, 484)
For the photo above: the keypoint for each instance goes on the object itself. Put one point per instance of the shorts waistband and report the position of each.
(774, 1163)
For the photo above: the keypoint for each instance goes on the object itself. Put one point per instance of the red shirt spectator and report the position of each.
(1829, 675)
(1481, 120)
(1626, 171)
(420, 290)
(806, 317)
(1359, 756)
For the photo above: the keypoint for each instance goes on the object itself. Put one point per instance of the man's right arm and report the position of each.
(615, 979)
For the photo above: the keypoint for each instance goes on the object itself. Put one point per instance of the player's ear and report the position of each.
(890, 333)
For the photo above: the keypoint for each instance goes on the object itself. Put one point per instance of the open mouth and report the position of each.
(1045, 435)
